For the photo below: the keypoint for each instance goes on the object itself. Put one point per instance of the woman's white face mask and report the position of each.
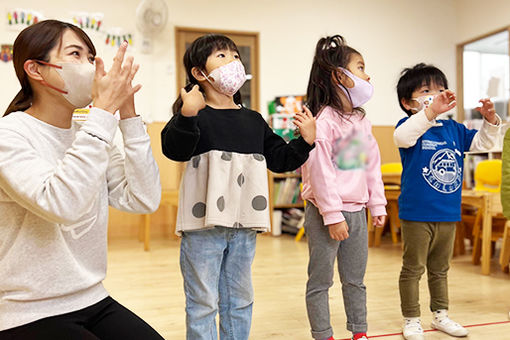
(78, 80)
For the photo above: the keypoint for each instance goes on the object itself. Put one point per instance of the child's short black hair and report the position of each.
(412, 78)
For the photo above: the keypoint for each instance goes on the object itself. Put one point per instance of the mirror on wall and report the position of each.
(485, 73)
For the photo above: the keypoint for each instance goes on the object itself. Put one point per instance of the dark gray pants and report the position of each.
(352, 260)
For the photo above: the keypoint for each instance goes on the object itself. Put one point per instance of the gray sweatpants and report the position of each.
(352, 260)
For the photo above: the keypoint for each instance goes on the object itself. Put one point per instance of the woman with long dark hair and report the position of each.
(57, 179)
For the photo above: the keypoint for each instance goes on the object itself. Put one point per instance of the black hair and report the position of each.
(196, 56)
(330, 54)
(412, 78)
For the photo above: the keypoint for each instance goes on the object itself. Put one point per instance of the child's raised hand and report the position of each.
(487, 110)
(339, 231)
(306, 125)
(442, 103)
(192, 101)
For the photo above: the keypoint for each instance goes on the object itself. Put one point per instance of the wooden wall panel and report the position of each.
(384, 137)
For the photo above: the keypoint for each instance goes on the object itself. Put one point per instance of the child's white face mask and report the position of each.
(78, 80)
(424, 101)
(227, 79)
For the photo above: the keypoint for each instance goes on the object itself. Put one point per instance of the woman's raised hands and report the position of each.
(110, 90)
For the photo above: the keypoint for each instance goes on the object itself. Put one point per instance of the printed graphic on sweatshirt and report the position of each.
(78, 229)
(444, 173)
(349, 152)
(427, 144)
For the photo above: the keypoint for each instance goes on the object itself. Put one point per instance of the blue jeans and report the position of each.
(216, 267)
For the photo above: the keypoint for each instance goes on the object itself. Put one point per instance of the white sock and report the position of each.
(440, 314)
(416, 319)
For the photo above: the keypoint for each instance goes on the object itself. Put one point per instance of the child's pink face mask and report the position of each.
(227, 79)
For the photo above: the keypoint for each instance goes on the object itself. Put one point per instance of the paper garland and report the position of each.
(114, 36)
(18, 18)
(88, 21)
(117, 39)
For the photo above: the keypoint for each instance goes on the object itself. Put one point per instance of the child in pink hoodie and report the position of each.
(341, 178)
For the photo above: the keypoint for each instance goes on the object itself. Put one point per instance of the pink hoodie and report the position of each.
(343, 171)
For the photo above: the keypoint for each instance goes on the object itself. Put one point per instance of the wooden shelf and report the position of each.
(286, 206)
(272, 177)
(286, 175)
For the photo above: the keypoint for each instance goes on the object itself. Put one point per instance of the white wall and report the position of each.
(390, 34)
(476, 18)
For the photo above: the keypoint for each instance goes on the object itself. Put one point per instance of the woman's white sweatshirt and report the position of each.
(55, 188)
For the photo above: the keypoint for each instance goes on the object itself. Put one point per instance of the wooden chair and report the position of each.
(301, 224)
(391, 173)
(487, 178)
(488, 175)
(170, 173)
(504, 257)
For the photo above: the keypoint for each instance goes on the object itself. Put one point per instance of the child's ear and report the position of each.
(339, 77)
(198, 74)
(406, 103)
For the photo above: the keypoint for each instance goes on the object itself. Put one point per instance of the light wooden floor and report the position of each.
(150, 284)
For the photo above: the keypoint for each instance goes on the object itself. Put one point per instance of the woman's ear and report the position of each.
(32, 69)
(198, 74)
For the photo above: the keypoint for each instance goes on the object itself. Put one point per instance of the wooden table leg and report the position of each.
(486, 236)
(394, 222)
(147, 232)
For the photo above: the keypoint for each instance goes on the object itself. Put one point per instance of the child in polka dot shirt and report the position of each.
(223, 198)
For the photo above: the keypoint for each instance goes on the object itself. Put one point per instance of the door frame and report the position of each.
(460, 69)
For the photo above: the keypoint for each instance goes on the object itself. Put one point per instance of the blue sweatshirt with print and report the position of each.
(431, 185)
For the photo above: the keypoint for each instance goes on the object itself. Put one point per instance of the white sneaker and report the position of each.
(412, 329)
(443, 323)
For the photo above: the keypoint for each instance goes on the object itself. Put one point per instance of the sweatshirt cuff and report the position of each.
(101, 123)
(422, 120)
(492, 126)
(186, 123)
(132, 128)
(378, 210)
(333, 217)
